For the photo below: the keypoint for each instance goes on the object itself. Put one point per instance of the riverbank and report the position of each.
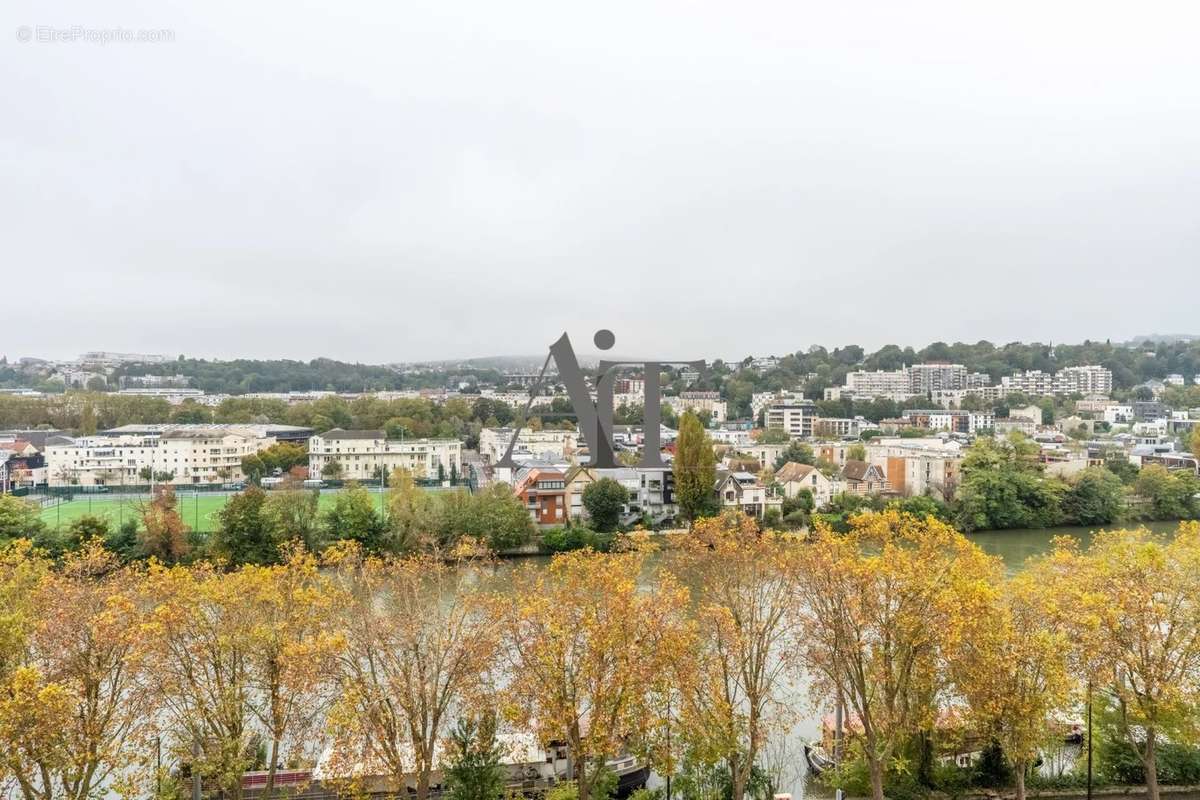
(1014, 546)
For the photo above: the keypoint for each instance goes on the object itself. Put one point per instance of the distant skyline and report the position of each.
(416, 181)
(591, 355)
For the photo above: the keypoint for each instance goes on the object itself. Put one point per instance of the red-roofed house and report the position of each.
(544, 493)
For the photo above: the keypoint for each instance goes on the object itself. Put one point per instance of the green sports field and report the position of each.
(199, 511)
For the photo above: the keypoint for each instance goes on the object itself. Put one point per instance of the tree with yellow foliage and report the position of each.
(75, 717)
(418, 649)
(411, 514)
(198, 634)
(1134, 602)
(733, 681)
(880, 606)
(31, 713)
(291, 650)
(585, 647)
(21, 568)
(1013, 670)
(34, 715)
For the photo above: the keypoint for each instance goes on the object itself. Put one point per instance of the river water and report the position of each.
(1017, 546)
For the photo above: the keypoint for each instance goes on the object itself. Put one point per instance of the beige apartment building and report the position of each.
(204, 454)
(701, 402)
(361, 455)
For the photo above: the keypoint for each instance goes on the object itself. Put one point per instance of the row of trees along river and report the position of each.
(709, 658)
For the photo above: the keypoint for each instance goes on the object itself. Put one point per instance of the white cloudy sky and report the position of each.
(405, 180)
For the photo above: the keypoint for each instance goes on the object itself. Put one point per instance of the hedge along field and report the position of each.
(199, 510)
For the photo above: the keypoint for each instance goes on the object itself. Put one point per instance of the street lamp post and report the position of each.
(837, 741)
(670, 759)
(1089, 741)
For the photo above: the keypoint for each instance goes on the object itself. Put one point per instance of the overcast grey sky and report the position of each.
(404, 180)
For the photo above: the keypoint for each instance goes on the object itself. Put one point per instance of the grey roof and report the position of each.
(268, 429)
(856, 470)
(740, 478)
(206, 433)
(339, 433)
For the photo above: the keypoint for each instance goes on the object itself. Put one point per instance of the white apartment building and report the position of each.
(735, 438)
(362, 454)
(206, 456)
(1031, 382)
(191, 455)
(960, 421)
(154, 381)
(760, 400)
(174, 396)
(550, 444)
(1118, 414)
(1157, 428)
(517, 399)
(99, 460)
(795, 417)
(702, 402)
(900, 384)
(841, 427)
(936, 376)
(1087, 381)
(925, 378)
(656, 493)
(879, 383)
